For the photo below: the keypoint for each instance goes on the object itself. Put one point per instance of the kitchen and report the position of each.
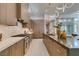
(23, 23)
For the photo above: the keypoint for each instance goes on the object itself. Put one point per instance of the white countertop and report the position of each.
(5, 43)
(7, 32)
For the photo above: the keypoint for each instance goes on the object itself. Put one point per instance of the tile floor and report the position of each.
(37, 48)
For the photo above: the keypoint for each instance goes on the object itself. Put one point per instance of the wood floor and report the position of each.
(37, 48)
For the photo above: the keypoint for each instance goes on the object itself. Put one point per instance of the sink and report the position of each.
(19, 35)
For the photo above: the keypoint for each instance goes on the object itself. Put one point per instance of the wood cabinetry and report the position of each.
(18, 49)
(11, 14)
(18, 10)
(3, 12)
(13, 49)
(8, 13)
(56, 48)
(6, 52)
(38, 28)
(53, 47)
(60, 50)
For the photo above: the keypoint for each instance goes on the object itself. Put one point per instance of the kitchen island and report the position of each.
(57, 47)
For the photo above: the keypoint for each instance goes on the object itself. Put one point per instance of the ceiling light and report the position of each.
(63, 6)
(69, 5)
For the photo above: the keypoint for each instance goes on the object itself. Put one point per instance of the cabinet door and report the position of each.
(46, 41)
(11, 14)
(13, 50)
(19, 48)
(8, 13)
(49, 45)
(5, 52)
(54, 48)
(60, 50)
(3, 11)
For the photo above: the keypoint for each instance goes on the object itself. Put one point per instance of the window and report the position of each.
(70, 26)
(67, 25)
(76, 26)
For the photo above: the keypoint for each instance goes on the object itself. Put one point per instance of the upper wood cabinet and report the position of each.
(8, 13)
(3, 14)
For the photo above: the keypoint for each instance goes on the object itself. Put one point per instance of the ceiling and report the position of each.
(38, 10)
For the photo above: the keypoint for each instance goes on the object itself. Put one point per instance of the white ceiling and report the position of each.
(38, 10)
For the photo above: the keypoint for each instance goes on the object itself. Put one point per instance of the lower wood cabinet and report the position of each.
(6, 52)
(18, 49)
(54, 49)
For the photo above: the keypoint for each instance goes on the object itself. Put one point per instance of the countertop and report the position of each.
(70, 43)
(7, 42)
(7, 32)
